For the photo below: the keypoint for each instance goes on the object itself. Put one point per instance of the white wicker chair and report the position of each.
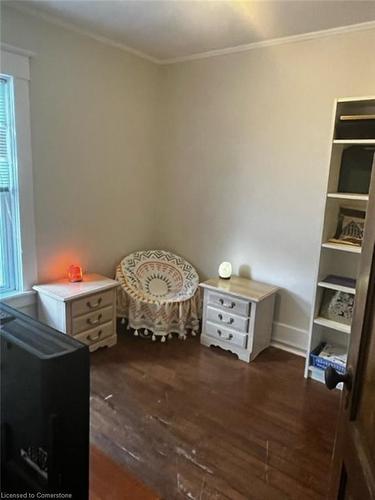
(159, 294)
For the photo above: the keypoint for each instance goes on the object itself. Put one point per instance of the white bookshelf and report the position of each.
(337, 259)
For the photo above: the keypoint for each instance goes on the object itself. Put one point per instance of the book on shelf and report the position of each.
(343, 242)
(340, 280)
(337, 306)
(350, 227)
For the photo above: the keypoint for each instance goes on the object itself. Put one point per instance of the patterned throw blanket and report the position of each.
(159, 293)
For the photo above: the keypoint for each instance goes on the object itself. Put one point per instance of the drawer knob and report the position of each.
(229, 306)
(91, 321)
(93, 306)
(90, 337)
(220, 333)
(229, 322)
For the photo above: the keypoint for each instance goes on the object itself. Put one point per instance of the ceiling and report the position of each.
(177, 29)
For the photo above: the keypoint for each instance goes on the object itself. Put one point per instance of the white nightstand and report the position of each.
(86, 310)
(237, 315)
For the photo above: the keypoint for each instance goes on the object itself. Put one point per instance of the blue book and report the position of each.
(340, 280)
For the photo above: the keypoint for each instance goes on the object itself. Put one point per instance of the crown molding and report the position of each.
(369, 25)
(365, 26)
(81, 31)
(16, 50)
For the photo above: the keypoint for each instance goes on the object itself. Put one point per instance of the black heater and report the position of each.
(44, 409)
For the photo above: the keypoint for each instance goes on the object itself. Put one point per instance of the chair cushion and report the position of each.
(159, 276)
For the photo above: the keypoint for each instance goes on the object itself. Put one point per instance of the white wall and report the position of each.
(245, 161)
(94, 133)
(217, 159)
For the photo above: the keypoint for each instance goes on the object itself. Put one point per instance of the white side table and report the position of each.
(237, 315)
(86, 310)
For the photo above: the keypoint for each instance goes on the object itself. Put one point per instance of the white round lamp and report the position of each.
(225, 270)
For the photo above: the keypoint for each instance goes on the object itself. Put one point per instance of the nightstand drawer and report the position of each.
(226, 334)
(92, 302)
(91, 320)
(96, 334)
(223, 318)
(229, 304)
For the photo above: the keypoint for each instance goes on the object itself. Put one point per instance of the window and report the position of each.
(10, 251)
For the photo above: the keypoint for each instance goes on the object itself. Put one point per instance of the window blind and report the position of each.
(4, 138)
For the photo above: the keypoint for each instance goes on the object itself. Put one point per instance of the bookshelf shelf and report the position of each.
(352, 142)
(348, 196)
(339, 288)
(342, 247)
(334, 325)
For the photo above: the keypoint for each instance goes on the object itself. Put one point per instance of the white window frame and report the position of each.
(11, 264)
(17, 65)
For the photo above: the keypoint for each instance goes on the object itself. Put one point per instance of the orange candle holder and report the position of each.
(75, 273)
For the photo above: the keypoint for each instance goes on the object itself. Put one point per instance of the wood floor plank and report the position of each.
(193, 422)
(110, 481)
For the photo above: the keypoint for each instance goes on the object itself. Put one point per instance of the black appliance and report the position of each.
(44, 409)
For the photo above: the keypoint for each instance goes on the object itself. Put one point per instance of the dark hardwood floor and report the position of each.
(110, 481)
(193, 422)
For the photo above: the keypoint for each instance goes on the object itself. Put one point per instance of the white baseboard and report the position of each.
(289, 338)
